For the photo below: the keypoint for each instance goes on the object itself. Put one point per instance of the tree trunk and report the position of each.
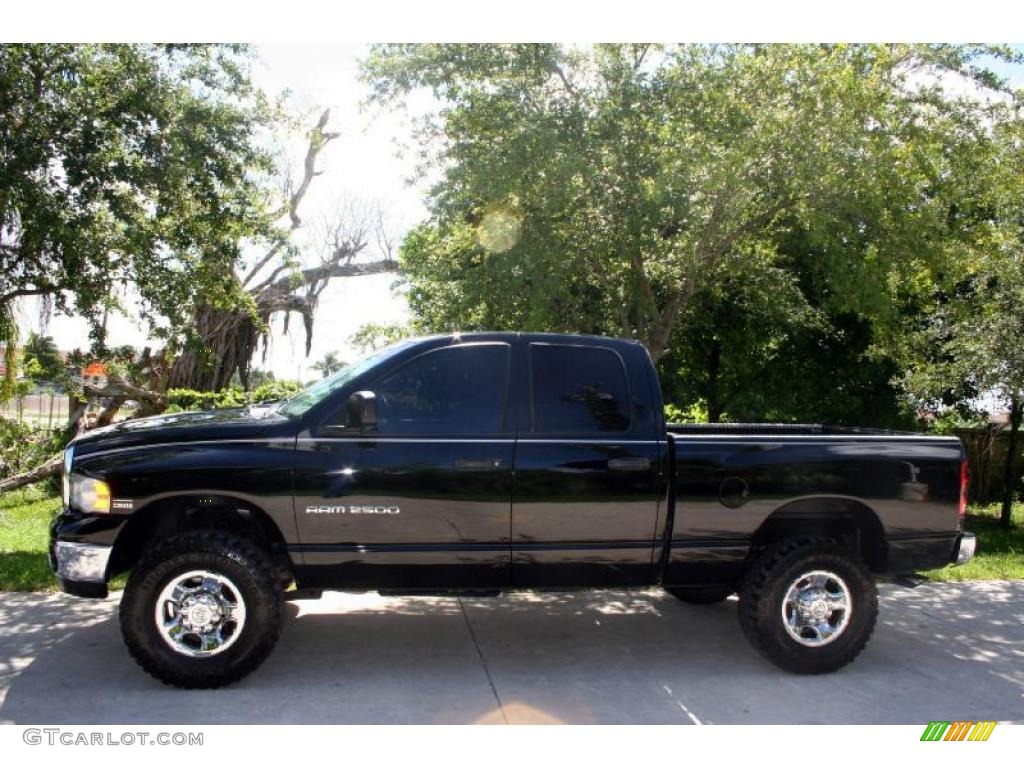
(1009, 480)
(229, 342)
(715, 406)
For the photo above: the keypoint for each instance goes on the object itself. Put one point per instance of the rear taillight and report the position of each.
(965, 479)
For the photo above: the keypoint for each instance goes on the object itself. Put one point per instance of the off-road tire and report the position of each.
(763, 590)
(248, 567)
(700, 595)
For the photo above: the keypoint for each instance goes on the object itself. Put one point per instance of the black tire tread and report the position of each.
(759, 579)
(135, 607)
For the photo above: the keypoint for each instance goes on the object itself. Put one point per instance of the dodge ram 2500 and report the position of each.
(489, 461)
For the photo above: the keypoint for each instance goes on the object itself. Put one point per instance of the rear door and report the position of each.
(425, 500)
(588, 468)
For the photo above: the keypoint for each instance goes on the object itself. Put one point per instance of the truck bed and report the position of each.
(736, 483)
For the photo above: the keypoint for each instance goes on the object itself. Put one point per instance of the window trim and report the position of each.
(504, 424)
(530, 385)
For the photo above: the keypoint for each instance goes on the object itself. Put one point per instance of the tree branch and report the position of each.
(318, 139)
(49, 468)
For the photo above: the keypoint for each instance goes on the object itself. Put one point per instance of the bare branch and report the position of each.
(318, 139)
(557, 69)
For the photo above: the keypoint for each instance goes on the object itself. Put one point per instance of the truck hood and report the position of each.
(255, 422)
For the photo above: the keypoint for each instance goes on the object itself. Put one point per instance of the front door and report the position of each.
(424, 501)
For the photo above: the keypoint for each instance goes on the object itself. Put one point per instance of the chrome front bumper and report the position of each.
(966, 545)
(81, 562)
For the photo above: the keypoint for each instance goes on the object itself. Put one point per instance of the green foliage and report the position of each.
(766, 219)
(275, 390)
(602, 190)
(257, 377)
(128, 164)
(744, 360)
(970, 343)
(43, 351)
(328, 364)
(9, 353)
(232, 397)
(374, 336)
(950, 421)
(23, 447)
(693, 414)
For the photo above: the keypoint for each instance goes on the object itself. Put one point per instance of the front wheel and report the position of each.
(202, 609)
(809, 606)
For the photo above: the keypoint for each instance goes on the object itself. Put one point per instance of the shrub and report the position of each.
(696, 413)
(233, 397)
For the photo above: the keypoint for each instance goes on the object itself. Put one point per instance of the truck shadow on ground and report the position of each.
(940, 652)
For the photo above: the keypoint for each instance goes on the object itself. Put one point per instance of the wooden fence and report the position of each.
(986, 451)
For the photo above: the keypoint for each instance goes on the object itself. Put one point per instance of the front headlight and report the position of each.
(90, 495)
(65, 476)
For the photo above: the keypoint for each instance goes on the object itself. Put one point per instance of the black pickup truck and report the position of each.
(489, 461)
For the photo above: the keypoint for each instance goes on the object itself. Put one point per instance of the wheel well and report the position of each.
(177, 514)
(851, 523)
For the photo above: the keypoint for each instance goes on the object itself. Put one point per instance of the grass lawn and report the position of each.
(1000, 551)
(25, 517)
(24, 534)
(24, 530)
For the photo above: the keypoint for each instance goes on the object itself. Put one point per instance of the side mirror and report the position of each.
(362, 410)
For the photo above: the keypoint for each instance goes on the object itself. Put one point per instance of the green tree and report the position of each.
(127, 164)
(603, 189)
(969, 347)
(770, 345)
(373, 336)
(328, 364)
(44, 352)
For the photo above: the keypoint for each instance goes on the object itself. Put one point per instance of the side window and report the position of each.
(579, 390)
(449, 391)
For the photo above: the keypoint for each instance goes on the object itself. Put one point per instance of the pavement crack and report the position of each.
(483, 662)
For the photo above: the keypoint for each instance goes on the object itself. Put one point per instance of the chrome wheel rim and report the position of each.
(200, 613)
(816, 609)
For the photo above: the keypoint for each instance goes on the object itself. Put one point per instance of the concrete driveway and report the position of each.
(943, 652)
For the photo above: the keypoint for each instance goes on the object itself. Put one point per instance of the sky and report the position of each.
(361, 165)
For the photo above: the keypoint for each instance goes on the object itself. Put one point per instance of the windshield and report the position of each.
(317, 393)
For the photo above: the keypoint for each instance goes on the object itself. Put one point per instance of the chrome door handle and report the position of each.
(477, 465)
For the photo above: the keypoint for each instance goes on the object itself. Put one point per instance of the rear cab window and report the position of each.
(578, 390)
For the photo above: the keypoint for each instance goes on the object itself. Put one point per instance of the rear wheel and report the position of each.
(202, 609)
(700, 595)
(808, 605)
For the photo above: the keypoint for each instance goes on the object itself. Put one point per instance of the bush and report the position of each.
(697, 413)
(233, 397)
